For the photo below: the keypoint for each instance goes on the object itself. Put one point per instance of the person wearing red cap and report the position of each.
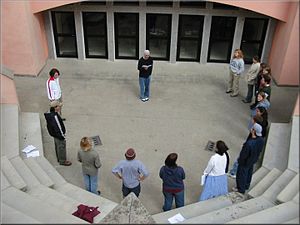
(131, 172)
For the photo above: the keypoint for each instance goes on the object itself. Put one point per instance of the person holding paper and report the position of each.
(145, 65)
(216, 183)
(172, 176)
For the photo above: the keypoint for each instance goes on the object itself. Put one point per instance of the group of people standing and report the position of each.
(132, 171)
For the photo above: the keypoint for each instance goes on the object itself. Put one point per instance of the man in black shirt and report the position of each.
(145, 66)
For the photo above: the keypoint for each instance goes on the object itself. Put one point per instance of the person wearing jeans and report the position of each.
(145, 66)
(173, 186)
(90, 165)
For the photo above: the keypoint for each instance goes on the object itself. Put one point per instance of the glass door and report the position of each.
(158, 35)
(64, 34)
(253, 38)
(95, 37)
(127, 35)
(189, 38)
(221, 38)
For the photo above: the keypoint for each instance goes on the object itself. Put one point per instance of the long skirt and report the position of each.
(214, 186)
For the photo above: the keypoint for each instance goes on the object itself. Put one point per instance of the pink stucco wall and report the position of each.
(23, 49)
(284, 56)
(8, 91)
(38, 6)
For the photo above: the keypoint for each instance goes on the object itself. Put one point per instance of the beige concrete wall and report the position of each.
(8, 91)
(23, 38)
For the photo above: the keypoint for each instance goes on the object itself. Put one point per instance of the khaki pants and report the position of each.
(233, 83)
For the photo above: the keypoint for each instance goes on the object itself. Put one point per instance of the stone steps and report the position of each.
(292, 221)
(30, 132)
(229, 213)
(274, 215)
(290, 190)
(265, 183)
(195, 209)
(12, 175)
(278, 185)
(258, 176)
(35, 208)
(293, 159)
(277, 146)
(11, 215)
(4, 182)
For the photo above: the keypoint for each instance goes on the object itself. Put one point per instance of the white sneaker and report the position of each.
(232, 176)
(235, 189)
(146, 99)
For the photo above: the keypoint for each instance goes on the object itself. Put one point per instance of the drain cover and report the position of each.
(96, 140)
(210, 146)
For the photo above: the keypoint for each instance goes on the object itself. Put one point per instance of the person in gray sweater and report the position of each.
(90, 165)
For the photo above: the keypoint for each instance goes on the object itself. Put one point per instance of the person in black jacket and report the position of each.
(57, 130)
(145, 66)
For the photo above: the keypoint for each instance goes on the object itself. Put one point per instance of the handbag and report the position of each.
(86, 213)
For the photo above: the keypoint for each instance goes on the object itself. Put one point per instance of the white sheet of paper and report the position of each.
(176, 218)
(33, 154)
(28, 148)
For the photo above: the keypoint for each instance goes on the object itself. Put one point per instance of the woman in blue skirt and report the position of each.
(216, 179)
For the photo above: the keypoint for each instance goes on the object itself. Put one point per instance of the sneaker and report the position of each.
(228, 91)
(232, 175)
(99, 192)
(66, 163)
(245, 101)
(233, 95)
(143, 99)
(235, 189)
(146, 99)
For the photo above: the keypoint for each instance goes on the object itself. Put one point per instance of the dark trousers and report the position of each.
(250, 93)
(60, 150)
(243, 178)
(136, 190)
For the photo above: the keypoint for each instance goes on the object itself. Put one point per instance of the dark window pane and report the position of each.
(198, 4)
(96, 46)
(127, 24)
(224, 6)
(95, 23)
(127, 47)
(67, 46)
(254, 29)
(126, 3)
(93, 2)
(158, 26)
(190, 26)
(64, 23)
(160, 3)
(188, 49)
(223, 27)
(158, 48)
(250, 50)
(219, 51)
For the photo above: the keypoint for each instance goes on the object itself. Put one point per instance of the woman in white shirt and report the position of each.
(216, 180)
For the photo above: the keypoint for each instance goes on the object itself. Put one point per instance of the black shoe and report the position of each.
(63, 119)
(228, 91)
(99, 192)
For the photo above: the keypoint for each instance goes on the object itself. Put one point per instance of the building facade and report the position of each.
(174, 31)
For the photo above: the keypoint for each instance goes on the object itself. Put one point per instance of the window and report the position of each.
(221, 38)
(160, 3)
(189, 37)
(159, 35)
(224, 6)
(193, 4)
(126, 3)
(64, 34)
(253, 38)
(127, 35)
(95, 37)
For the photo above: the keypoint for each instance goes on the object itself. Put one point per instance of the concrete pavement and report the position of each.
(188, 106)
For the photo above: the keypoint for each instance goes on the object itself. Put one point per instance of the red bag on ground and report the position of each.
(86, 213)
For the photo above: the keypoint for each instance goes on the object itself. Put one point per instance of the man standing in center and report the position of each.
(145, 66)
(131, 172)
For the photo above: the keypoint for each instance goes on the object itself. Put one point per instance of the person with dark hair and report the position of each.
(131, 172)
(265, 85)
(57, 130)
(216, 183)
(248, 157)
(264, 68)
(172, 176)
(53, 88)
(91, 163)
(251, 77)
(261, 111)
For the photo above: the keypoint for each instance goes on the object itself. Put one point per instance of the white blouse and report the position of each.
(216, 165)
